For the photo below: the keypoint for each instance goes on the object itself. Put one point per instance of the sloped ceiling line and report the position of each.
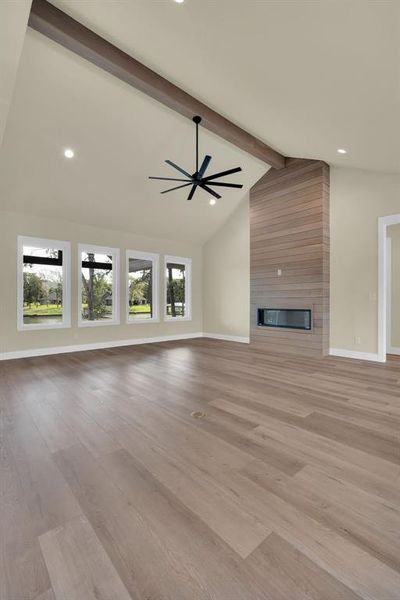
(63, 29)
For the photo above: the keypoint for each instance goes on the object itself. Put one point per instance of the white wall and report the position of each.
(13, 224)
(358, 198)
(226, 277)
(13, 23)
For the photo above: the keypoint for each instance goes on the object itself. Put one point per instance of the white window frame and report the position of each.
(114, 252)
(188, 287)
(155, 259)
(66, 274)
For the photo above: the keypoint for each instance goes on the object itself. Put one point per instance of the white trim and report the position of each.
(388, 293)
(227, 338)
(168, 338)
(383, 223)
(96, 346)
(372, 356)
(188, 287)
(394, 350)
(155, 259)
(114, 252)
(66, 279)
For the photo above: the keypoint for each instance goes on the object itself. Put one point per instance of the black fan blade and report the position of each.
(177, 187)
(223, 173)
(231, 185)
(167, 179)
(204, 166)
(209, 190)
(192, 191)
(169, 162)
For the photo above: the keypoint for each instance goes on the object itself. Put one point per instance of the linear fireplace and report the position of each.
(288, 318)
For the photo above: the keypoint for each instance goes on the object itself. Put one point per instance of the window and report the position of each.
(142, 287)
(44, 300)
(178, 288)
(98, 286)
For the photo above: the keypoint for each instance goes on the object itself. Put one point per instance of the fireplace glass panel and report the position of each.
(288, 318)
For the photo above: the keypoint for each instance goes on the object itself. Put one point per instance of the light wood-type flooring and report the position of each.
(286, 486)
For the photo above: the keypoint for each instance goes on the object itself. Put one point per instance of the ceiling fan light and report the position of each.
(212, 201)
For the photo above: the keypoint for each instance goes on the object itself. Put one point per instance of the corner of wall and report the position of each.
(226, 277)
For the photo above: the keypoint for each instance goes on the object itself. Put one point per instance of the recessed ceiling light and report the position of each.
(68, 153)
(179, 1)
(342, 151)
(213, 201)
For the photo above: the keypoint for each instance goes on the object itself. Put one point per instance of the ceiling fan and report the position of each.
(198, 179)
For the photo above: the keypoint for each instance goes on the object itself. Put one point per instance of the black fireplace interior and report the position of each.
(288, 318)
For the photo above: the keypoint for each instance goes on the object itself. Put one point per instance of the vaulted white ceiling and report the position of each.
(306, 76)
(120, 137)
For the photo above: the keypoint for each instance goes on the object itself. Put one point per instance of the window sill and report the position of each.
(142, 321)
(177, 318)
(42, 326)
(97, 323)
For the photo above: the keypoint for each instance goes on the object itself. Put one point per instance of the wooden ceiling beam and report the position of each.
(63, 29)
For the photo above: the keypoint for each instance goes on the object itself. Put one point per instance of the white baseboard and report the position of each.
(95, 346)
(227, 338)
(170, 338)
(394, 350)
(374, 357)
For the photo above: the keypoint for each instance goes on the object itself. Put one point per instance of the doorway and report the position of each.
(385, 286)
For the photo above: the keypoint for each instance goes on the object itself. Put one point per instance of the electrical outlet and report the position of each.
(357, 340)
(279, 271)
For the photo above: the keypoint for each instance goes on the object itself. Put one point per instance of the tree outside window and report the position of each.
(97, 287)
(176, 289)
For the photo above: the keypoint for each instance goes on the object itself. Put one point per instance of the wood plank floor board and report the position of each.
(235, 434)
(225, 426)
(78, 564)
(370, 480)
(295, 575)
(47, 595)
(322, 446)
(192, 480)
(336, 406)
(23, 572)
(380, 515)
(199, 490)
(217, 569)
(145, 564)
(365, 434)
(56, 433)
(350, 514)
(199, 447)
(286, 487)
(354, 567)
(356, 436)
(44, 491)
(88, 431)
(34, 497)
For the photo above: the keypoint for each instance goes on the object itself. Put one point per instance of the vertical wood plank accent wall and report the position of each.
(289, 230)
